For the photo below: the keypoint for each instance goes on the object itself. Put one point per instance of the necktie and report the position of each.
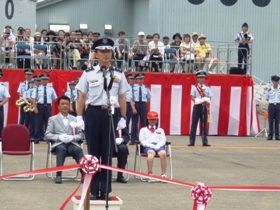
(133, 96)
(152, 129)
(45, 95)
(140, 94)
(78, 93)
(27, 85)
(72, 98)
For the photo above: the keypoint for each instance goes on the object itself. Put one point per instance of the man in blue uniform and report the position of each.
(4, 97)
(32, 125)
(142, 95)
(201, 95)
(72, 93)
(97, 121)
(23, 86)
(131, 80)
(43, 107)
(273, 98)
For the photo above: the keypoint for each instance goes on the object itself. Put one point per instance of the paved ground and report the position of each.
(230, 161)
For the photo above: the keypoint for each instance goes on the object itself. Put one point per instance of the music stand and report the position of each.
(264, 130)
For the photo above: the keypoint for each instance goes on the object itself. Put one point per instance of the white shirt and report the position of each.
(159, 45)
(65, 120)
(147, 138)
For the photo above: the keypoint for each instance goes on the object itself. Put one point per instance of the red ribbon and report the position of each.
(93, 166)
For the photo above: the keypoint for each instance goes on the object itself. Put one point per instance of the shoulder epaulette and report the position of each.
(90, 69)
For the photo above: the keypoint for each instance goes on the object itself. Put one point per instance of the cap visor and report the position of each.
(104, 48)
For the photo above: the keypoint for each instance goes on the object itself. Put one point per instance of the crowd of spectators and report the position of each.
(73, 50)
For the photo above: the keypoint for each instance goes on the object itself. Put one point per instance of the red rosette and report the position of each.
(89, 164)
(201, 194)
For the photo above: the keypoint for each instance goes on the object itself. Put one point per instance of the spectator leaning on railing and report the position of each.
(121, 49)
(187, 50)
(140, 49)
(157, 51)
(37, 52)
(176, 45)
(204, 54)
(7, 45)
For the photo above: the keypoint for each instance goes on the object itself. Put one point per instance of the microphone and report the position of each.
(103, 69)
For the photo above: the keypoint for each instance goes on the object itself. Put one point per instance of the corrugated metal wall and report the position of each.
(212, 18)
(95, 13)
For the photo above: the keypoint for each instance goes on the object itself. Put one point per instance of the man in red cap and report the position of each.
(153, 139)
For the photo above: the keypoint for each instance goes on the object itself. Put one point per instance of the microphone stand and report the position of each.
(203, 131)
(107, 88)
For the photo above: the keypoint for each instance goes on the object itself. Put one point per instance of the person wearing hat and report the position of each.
(73, 95)
(204, 54)
(24, 86)
(194, 38)
(32, 115)
(142, 95)
(42, 101)
(131, 80)
(273, 98)
(153, 139)
(37, 52)
(4, 98)
(7, 45)
(97, 121)
(243, 38)
(201, 95)
(177, 38)
(140, 50)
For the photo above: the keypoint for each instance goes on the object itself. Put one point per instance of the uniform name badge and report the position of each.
(93, 83)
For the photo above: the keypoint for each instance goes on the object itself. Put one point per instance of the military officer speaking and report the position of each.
(24, 86)
(139, 97)
(4, 97)
(273, 98)
(201, 95)
(72, 93)
(91, 88)
(42, 101)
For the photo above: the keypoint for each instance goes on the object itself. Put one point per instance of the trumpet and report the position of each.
(21, 102)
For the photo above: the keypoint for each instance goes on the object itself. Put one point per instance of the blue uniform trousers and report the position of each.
(141, 108)
(199, 112)
(42, 118)
(22, 116)
(27, 119)
(99, 144)
(32, 124)
(273, 119)
(128, 115)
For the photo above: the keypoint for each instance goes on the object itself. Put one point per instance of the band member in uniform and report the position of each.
(72, 94)
(92, 93)
(243, 38)
(201, 95)
(131, 80)
(4, 97)
(142, 95)
(23, 86)
(122, 138)
(43, 107)
(273, 98)
(32, 125)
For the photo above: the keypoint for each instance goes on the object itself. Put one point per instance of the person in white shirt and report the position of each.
(153, 139)
(188, 52)
(7, 45)
(157, 51)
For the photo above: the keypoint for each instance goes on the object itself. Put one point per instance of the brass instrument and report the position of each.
(21, 102)
(28, 108)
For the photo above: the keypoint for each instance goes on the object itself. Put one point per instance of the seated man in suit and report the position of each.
(122, 137)
(66, 138)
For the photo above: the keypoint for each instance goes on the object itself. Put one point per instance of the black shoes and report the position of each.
(103, 196)
(121, 180)
(206, 145)
(94, 196)
(190, 145)
(277, 139)
(58, 180)
(269, 138)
